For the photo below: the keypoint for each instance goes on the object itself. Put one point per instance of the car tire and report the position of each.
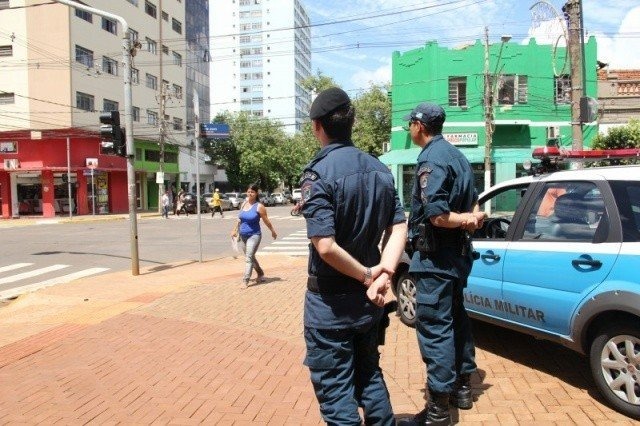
(406, 295)
(615, 372)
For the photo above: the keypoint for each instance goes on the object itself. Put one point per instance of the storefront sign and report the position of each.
(9, 147)
(159, 177)
(461, 138)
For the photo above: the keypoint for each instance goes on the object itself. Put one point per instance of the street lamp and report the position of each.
(489, 88)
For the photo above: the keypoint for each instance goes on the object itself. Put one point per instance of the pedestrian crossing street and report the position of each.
(233, 215)
(19, 278)
(295, 244)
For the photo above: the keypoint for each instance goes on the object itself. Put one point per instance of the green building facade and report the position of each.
(147, 164)
(531, 87)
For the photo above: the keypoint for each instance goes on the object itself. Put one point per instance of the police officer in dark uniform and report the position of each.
(349, 202)
(444, 211)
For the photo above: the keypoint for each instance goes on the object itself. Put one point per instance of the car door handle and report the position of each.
(490, 256)
(586, 262)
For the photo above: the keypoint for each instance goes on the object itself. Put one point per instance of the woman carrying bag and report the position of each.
(250, 235)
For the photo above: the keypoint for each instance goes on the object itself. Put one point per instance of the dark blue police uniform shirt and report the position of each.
(350, 195)
(443, 183)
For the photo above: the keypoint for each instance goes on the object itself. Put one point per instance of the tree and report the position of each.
(620, 138)
(373, 119)
(317, 83)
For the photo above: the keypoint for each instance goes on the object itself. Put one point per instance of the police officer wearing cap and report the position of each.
(443, 211)
(349, 202)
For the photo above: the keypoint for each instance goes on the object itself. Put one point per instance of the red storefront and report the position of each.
(34, 179)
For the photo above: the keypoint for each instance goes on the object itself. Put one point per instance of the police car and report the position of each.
(559, 259)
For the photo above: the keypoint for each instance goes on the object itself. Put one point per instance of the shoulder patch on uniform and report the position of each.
(423, 175)
(306, 190)
(309, 175)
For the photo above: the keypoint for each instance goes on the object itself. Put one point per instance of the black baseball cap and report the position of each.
(328, 101)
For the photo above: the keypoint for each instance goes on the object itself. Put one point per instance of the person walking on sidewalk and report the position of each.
(216, 204)
(444, 211)
(166, 204)
(248, 228)
(349, 201)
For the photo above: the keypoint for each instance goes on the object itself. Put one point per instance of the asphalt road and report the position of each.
(40, 255)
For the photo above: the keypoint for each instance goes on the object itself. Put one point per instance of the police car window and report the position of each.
(627, 195)
(504, 204)
(565, 211)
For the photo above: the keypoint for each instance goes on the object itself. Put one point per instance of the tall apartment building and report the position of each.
(62, 66)
(261, 51)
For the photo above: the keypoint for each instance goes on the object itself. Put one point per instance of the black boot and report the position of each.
(462, 395)
(435, 414)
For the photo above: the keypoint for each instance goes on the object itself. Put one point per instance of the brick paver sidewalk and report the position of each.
(188, 344)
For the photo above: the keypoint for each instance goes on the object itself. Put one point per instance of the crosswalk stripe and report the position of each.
(47, 283)
(33, 273)
(284, 247)
(14, 266)
(286, 252)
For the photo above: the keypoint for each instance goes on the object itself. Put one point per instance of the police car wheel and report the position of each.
(406, 295)
(615, 366)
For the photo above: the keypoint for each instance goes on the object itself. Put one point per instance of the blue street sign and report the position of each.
(214, 130)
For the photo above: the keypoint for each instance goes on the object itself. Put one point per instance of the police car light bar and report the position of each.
(554, 154)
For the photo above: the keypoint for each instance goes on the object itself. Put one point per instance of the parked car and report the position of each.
(567, 272)
(234, 197)
(278, 198)
(288, 198)
(266, 199)
(296, 195)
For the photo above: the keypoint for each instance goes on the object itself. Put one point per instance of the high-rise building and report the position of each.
(60, 67)
(260, 53)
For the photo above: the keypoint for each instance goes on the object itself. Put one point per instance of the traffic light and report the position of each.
(113, 140)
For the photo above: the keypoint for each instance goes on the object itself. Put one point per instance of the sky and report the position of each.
(352, 41)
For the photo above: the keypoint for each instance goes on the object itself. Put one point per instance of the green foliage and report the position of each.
(619, 138)
(317, 83)
(373, 120)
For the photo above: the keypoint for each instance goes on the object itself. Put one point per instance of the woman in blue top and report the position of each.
(248, 227)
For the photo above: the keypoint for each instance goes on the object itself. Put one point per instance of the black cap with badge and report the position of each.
(428, 113)
(328, 101)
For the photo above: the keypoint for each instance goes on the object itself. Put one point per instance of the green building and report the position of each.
(532, 103)
(147, 164)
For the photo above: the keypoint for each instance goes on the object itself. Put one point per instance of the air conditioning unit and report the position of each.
(11, 164)
(553, 132)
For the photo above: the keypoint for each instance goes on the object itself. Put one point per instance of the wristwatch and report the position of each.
(367, 279)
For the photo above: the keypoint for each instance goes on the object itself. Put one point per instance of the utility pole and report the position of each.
(574, 49)
(488, 117)
(162, 110)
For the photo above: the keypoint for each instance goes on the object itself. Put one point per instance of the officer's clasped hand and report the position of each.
(472, 221)
(378, 289)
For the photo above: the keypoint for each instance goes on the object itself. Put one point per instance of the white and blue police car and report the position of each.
(559, 259)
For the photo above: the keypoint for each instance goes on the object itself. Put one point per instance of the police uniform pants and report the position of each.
(444, 330)
(345, 373)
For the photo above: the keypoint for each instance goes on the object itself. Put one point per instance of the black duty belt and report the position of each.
(334, 285)
(448, 238)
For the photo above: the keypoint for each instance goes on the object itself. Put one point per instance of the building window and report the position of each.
(151, 9)
(110, 26)
(177, 91)
(245, 39)
(176, 25)
(84, 56)
(109, 66)
(165, 49)
(177, 59)
(7, 98)
(152, 155)
(152, 46)
(135, 76)
(165, 16)
(4, 4)
(133, 2)
(177, 123)
(133, 35)
(6, 50)
(152, 117)
(85, 102)
(136, 114)
(152, 82)
(109, 105)
(83, 14)
(245, 2)
(563, 89)
(512, 89)
(458, 91)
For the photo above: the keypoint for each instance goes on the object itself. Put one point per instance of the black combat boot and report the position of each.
(462, 395)
(435, 414)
